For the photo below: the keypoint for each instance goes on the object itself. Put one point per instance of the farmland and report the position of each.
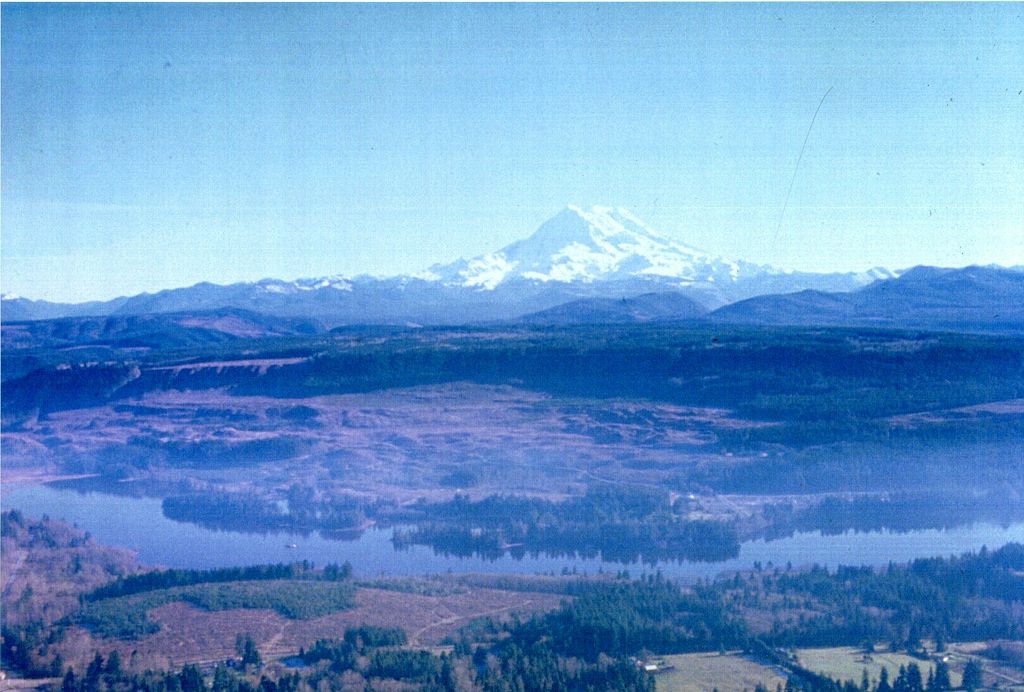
(849, 663)
(706, 672)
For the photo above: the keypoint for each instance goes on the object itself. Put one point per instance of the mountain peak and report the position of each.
(580, 245)
(612, 221)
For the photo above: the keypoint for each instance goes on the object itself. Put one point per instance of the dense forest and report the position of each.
(971, 597)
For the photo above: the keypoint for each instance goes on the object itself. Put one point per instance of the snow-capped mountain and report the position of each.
(599, 244)
(336, 282)
(579, 253)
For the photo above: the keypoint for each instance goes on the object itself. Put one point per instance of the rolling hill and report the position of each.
(649, 307)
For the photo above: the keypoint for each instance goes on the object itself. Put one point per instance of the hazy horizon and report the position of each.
(148, 147)
(286, 278)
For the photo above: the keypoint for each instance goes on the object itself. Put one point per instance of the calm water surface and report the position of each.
(139, 524)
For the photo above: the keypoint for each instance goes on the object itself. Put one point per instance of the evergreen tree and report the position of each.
(914, 681)
(172, 683)
(246, 649)
(113, 668)
(939, 680)
(92, 673)
(192, 680)
(883, 681)
(447, 675)
(223, 680)
(972, 676)
(900, 683)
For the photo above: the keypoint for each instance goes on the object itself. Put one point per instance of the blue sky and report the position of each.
(151, 146)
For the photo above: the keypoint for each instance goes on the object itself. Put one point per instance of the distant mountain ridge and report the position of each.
(15, 308)
(970, 298)
(160, 330)
(599, 252)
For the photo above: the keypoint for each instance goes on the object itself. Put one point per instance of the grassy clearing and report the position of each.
(708, 671)
(848, 663)
(126, 617)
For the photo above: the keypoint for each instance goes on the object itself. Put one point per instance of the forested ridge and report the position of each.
(770, 373)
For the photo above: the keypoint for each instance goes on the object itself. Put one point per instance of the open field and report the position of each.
(848, 663)
(705, 672)
(734, 672)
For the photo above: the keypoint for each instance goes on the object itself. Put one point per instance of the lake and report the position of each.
(139, 524)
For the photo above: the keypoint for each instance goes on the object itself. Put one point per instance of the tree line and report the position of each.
(156, 580)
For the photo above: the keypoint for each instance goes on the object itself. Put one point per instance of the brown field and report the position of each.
(395, 443)
(188, 634)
